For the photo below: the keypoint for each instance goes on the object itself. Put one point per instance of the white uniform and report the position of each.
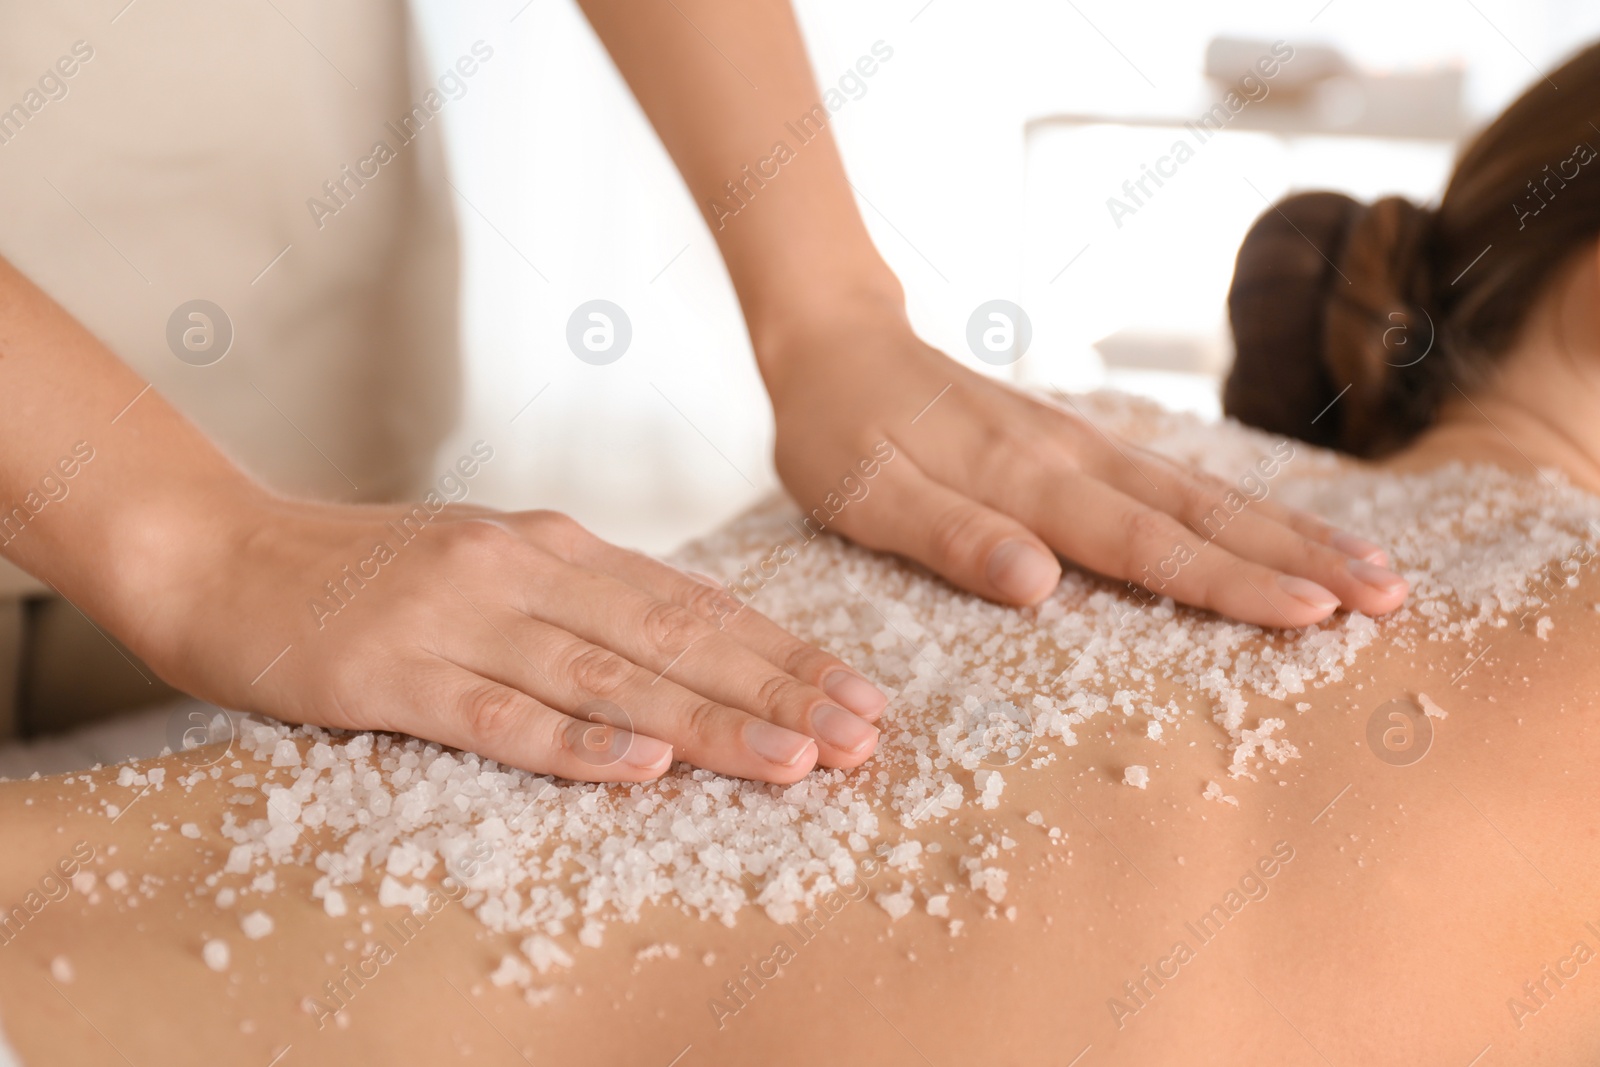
(185, 153)
(169, 151)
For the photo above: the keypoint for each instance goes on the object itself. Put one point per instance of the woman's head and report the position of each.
(1389, 306)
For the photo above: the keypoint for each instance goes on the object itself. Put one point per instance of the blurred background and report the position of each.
(985, 149)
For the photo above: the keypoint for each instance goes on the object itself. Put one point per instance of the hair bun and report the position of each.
(1331, 322)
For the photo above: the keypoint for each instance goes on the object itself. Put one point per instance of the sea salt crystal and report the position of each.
(116, 881)
(1429, 708)
(990, 785)
(656, 952)
(544, 953)
(898, 904)
(256, 925)
(1214, 792)
(1035, 818)
(512, 971)
(333, 903)
(215, 953)
(1136, 776)
(189, 830)
(1542, 628)
(61, 970)
(992, 880)
(286, 754)
(903, 857)
(394, 894)
(84, 882)
(939, 905)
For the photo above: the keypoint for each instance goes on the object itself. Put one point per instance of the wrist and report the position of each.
(792, 333)
(169, 553)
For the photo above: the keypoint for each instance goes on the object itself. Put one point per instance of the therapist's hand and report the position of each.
(988, 484)
(987, 481)
(518, 636)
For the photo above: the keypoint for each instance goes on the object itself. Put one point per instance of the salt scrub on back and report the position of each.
(981, 695)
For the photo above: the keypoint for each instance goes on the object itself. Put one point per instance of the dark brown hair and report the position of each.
(1386, 307)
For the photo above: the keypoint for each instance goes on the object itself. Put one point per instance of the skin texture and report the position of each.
(500, 633)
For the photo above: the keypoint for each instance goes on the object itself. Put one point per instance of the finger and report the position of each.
(1314, 529)
(1303, 523)
(683, 654)
(711, 602)
(1219, 513)
(566, 672)
(971, 545)
(466, 710)
(1110, 532)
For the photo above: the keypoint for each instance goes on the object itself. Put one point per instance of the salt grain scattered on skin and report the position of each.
(899, 904)
(512, 971)
(62, 971)
(256, 925)
(563, 855)
(1429, 708)
(656, 952)
(1136, 776)
(216, 954)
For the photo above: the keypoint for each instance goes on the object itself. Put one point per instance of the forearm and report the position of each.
(725, 84)
(102, 483)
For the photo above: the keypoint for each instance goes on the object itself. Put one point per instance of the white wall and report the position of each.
(551, 149)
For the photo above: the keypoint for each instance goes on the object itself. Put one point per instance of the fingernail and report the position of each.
(1310, 592)
(637, 750)
(1386, 581)
(777, 745)
(843, 730)
(855, 693)
(1022, 572)
(1358, 548)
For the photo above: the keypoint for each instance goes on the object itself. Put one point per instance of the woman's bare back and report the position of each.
(1105, 831)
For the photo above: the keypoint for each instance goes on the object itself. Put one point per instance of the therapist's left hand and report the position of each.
(988, 484)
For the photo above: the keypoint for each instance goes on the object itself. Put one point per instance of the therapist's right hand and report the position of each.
(519, 636)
